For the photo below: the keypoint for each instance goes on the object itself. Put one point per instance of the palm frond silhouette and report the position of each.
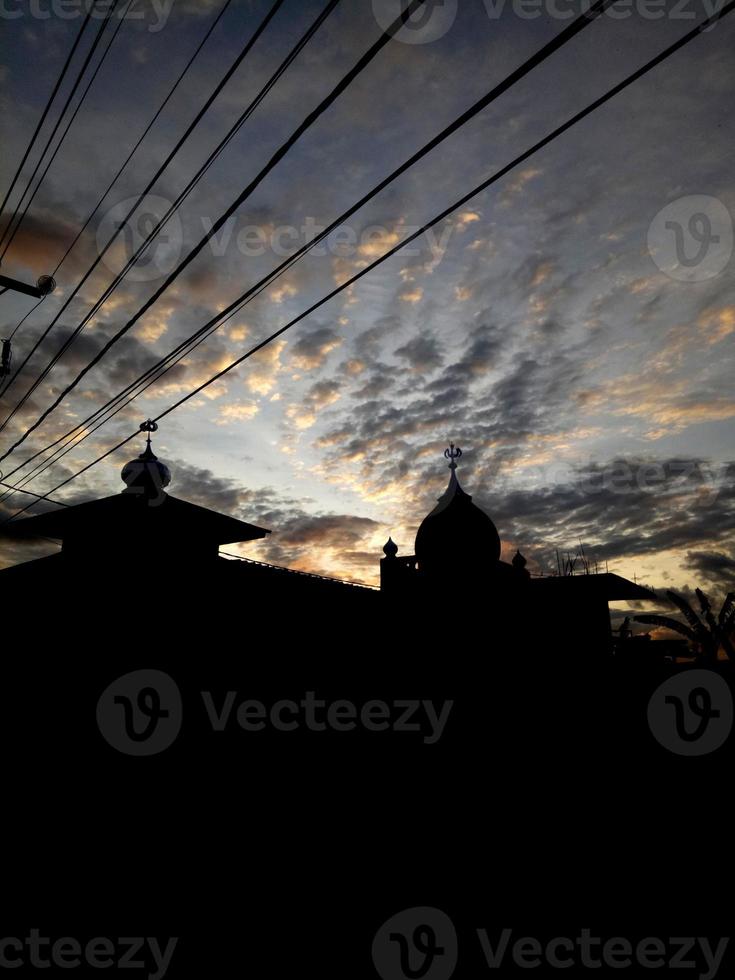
(706, 634)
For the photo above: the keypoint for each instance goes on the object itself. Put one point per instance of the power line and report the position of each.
(23, 320)
(114, 180)
(244, 116)
(373, 51)
(47, 109)
(53, 157)
(30, 493)
(65, 133)
(362, 63)
(189, 344)
(274, 78)
(228, 74)
(461, 202)
(484, 185)
(50, 140)
(557, 132)
(145, 132)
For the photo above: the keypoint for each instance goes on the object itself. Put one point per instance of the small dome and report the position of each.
(146, 474)
(390, 548)
(457, 533)
(519, 561)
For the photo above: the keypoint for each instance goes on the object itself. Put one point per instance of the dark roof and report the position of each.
(50, 565)
(282, 573)
(605, 585)
(167, 516)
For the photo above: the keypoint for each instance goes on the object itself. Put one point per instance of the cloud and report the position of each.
(717, 324)
(714, 567)
(313, 347)
(422, 353)
(548, 337)
(315, 541)
(354, 366)
(412, 295)
(262, 370)
(464, 219)
(236, 412)
(518, 183)
(39, 243)
(285, 291)
(318, 397)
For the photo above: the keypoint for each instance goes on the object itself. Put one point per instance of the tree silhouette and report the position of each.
(704, 632)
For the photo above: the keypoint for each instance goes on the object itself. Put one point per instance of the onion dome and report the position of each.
(519, 566)
(519, 562)
(146, 475)
(390, 548)
(457, 533)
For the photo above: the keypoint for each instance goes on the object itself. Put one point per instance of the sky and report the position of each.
(571, 328)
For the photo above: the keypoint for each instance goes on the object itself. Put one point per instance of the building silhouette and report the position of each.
(457, 558)
(145, 538)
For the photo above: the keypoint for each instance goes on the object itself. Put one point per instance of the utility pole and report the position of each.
(44, 287)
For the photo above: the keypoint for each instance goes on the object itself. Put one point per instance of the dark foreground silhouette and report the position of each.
(293, 761)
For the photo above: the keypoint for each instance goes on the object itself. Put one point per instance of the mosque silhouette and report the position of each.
(546, 753)
(145, 537)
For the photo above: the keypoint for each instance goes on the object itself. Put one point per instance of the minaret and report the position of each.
(390, 568)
